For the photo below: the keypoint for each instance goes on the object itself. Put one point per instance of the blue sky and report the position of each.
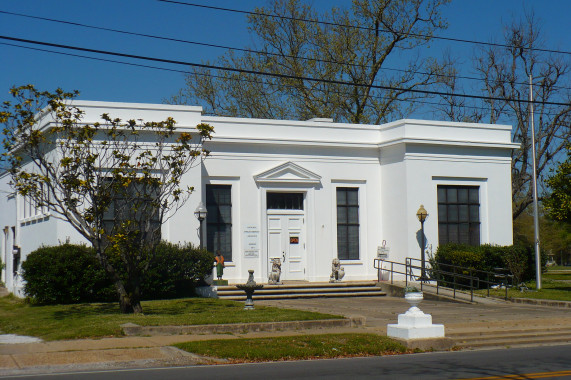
(468, 19)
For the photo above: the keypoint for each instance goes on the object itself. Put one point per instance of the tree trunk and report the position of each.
(129, 302)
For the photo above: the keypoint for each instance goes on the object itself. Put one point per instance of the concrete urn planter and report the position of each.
(414, 298)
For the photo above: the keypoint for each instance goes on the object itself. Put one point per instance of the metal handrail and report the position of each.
(408, 272)
(498, 275)
(434, 273)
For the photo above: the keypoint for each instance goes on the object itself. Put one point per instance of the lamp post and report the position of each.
(422, 214)
(200, 214)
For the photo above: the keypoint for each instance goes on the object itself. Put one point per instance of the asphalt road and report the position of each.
(553, 362)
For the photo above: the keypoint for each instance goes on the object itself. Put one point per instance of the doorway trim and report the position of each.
(289, 178)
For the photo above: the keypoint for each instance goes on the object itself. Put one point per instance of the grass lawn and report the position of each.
(296, 347)
(103, 319)
(558, 267)
(553, 287)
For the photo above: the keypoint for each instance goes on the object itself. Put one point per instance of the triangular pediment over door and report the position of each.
(288, 173)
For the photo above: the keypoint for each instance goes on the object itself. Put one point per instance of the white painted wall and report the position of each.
(396, 166)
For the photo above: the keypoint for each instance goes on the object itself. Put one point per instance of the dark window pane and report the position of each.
(474, 213)
(442, 214)
(342, 243)
(353, 215)
(353, 240)
(341, 196)
(463, 195)
(462, 213)
(464, 233)
(451, 195)
(226, 214)
(441, 194)
(474, 197)
(475, 234)
(452, 213)
(342, 233)
(352, 197)
(453, 233)
(341, 215)
(443, 233)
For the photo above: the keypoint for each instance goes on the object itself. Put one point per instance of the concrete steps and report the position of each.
(511, 337)
(305, 290)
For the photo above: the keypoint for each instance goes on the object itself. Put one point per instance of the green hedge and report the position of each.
(518, 259)
(176, 270)
(71, 273)
(66, 274)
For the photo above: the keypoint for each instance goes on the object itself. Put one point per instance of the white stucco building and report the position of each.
(310, 191)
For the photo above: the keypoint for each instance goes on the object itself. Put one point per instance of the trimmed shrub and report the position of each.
(175, 271)
(66, 274)
(71, 273)
(518, 260)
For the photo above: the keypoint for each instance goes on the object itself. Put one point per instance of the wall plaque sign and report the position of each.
(294, 239)
(251, 241)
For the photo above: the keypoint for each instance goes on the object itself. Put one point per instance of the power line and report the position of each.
(414, 100)
(212, 75)
(243, 49)
(275, 75)
(452, 39)
(225, 46)
(97, 58)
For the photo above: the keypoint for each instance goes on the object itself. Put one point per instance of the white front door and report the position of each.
(286, 241)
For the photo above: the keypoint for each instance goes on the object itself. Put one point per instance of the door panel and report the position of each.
(295, 247)
(286, 240)
(275, 245)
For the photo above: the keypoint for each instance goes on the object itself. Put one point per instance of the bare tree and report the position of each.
(345, 46)
(452, 107)
(504, 74)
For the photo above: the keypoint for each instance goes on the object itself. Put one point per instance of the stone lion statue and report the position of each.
(337, 271)
(274, 277)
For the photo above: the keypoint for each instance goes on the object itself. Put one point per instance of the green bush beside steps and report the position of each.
(517, 259)
(71, 273)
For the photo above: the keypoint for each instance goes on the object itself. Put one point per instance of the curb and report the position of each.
(131, 329)
(538, 302)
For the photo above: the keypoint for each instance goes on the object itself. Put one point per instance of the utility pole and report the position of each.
(535, 211)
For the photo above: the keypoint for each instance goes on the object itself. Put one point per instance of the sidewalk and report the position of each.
(125, 352)
(154, 351)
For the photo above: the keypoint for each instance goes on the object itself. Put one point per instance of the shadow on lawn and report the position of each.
(562, 288)
(85, 310)
(185, 306)
(170, 307)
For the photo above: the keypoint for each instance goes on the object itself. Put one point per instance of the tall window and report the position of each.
(459, 215)
(348, 223)
(137, 203)
(219, 219)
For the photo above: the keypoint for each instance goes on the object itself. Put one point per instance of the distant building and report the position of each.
(310, 191)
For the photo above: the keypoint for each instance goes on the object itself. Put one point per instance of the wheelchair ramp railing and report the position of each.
(447, 276)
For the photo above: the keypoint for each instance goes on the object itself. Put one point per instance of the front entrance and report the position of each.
(286, 234)
(286, 242)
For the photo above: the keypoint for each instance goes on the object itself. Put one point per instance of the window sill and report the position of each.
(351, 262)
